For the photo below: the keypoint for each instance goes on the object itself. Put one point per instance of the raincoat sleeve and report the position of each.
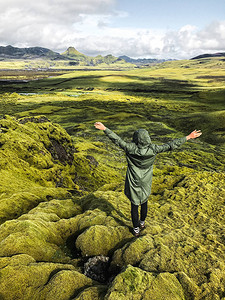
(170, 145)
(115, 139)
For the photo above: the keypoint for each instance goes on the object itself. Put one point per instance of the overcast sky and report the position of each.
(178, 29)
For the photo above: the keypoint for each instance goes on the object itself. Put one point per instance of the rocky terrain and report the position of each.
(51, 227)
(65, 228)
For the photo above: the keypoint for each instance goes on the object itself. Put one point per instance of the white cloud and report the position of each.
(190, 41)
(89, 26)
(39, 22)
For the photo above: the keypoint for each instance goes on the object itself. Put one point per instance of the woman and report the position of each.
(140, 154)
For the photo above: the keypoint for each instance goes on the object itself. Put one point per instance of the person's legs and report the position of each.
(134, 215)
(135, 219)
(144, 209)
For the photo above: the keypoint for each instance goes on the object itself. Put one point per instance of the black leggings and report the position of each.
(134, 213)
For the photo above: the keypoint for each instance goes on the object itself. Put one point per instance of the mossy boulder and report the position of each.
(134, 283)
(132, 252)
(94, 292)
(24, 278)
(36, 164)
(43, 232)
(38, 233)
(100, 239)
(114, 203)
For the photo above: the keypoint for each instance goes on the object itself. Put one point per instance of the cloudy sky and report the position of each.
(177, 29)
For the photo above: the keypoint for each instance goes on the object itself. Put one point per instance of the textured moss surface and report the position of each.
(134, 283)
(101, 239)
(24, 278)
(61, 185)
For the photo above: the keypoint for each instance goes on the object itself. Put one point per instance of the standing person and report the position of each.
(140, 155)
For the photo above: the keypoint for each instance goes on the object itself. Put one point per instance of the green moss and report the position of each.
(132, 253)
(16, 205)
(64, 209)
(136, 283)
(165, 286)
(64, 284)
(100, 239)
(95, 292)
(114, 203)
(23, 278)
(41, 166)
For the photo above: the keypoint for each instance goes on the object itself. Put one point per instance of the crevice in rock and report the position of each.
(53, 273)
(79, 291)
(97, 268)
(71, 246)
(59, 152)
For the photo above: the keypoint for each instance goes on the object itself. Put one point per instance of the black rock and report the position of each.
(96, 268)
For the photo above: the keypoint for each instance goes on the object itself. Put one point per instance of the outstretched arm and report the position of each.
(112, 135)
(177, 142)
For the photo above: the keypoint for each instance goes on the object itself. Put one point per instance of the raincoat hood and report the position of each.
(141, 138)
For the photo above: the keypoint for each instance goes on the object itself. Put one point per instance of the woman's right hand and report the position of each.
(194, 134)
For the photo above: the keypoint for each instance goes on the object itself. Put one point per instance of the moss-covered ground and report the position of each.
(61, 184)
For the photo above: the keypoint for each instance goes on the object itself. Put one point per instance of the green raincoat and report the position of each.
(140, 156)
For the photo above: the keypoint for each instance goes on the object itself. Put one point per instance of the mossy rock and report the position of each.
(38, 233)
(37, 238)
(134, 283)
(95, 217)
(64, 284)
(35, 157)
(16, 205)
(64, 209)
(114, 203)
(24, 278)
(101, 240)
(43, 232)
(94, 292)
(132, 253)
(175, 252)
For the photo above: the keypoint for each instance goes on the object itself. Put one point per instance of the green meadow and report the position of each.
(61, 183)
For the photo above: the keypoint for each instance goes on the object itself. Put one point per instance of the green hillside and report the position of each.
(71, 52)
(101, 61)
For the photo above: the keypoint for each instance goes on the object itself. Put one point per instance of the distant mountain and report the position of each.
(10, 52)
(209, 55)
(81, 59)
(71, 52)
(141, 61)
(71, 55)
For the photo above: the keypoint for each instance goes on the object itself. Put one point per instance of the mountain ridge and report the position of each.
(206, 55)
(73, 56)
(141, 61)
(10, 52)
(77, 58)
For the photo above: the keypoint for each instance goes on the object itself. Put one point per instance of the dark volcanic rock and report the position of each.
(96, 268)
